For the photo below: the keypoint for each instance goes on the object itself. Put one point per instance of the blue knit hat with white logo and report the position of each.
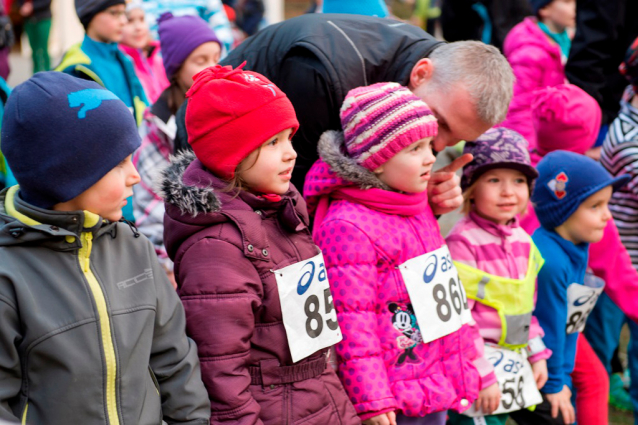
(566, 180)
(61, 134)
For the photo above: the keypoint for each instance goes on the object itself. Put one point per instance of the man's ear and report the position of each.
(421, 73)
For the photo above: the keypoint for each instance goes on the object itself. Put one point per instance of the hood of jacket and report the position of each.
(195, 200)
(528, 34)
(336, 170)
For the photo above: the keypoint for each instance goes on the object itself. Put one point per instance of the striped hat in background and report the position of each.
(380, 120)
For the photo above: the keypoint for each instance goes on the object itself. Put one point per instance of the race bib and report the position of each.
(515, 380)
(437, 296)
(309, 316)
(581, 300)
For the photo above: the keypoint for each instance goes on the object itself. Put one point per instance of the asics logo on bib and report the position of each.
(584, 299)
(309, 273)
(89, 99)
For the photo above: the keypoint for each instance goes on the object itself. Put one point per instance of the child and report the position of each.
(92, 332)
(488, 243)
(619, 158)
(537, 49)
(98, 57)
(144, 51)
(251, 279)
(404, 353)
(570, 199)
(189, 46)
(37, 25)
(567, 118)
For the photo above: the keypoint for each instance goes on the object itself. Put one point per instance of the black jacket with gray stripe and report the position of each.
(91, 331)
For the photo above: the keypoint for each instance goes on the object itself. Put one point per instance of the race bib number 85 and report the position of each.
(437, 296)
(581, 300)
(308, 313)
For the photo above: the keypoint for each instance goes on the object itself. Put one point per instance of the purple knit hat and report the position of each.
(179, 36)
(380, 120)
(497, 148)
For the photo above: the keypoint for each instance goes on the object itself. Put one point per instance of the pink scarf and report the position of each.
(385, 201)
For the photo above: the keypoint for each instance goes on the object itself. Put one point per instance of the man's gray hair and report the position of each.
(482, 70)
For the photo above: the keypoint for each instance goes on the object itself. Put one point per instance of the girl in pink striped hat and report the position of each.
(406, 355)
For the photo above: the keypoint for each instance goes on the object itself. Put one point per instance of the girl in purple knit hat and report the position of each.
(407, 354)
(188, 47)
(498, 263)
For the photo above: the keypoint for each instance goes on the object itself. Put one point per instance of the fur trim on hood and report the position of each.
(193, 200)
(332, 151)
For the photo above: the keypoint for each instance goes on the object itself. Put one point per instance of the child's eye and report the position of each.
(416, 148)
(273, 142)
(521, 181)
(492, 180)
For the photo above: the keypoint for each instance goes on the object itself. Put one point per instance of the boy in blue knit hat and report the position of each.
(92, 331)
(571, 199)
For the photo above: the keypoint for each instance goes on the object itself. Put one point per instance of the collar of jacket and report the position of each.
(59, 230)
(498, 230)
(198, 194)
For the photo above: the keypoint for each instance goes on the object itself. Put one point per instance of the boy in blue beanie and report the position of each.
(98, 58)
(92, 331)
(571, 199)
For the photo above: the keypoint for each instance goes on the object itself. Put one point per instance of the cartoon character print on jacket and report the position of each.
(404, 321)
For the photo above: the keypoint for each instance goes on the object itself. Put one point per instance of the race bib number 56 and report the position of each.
(308, 313)
(437, 296)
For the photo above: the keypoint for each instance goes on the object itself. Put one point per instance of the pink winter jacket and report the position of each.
(383, 364)
(500, 250)
(536, 62)
(150, 71)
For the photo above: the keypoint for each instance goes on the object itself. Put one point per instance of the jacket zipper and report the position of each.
(24, 413)
(105, 327)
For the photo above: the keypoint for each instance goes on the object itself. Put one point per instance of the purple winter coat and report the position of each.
(383, 362)
(537, 63)
(224, 249)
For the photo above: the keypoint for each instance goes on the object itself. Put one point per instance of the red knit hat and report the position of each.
(230, 113)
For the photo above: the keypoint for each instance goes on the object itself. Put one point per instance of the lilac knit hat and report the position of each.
(497, 148)
(380, 120)
(179, 36)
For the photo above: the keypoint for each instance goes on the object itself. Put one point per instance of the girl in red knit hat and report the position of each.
(253, 283)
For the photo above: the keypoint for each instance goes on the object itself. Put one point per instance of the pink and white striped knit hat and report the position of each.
(380, 120)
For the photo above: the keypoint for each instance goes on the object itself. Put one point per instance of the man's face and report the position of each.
(454, 109)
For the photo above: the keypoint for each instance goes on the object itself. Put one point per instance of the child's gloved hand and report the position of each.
(561, 403)
(389, 418)
(488, 399)
(540, 373)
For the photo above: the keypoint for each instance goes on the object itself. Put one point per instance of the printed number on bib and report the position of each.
(515, 380)
(309, 316)
(581, 300)
(437, 296)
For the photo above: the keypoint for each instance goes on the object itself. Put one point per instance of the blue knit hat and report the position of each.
(376, 8)
(61, 134)
(539, 4)
(566, 180)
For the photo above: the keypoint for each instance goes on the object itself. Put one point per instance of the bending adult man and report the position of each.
(317, 58)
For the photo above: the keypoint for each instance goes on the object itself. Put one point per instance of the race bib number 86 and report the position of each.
(437, 296)
(308, 313)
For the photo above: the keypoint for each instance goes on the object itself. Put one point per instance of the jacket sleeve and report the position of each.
(174, 358)
(352, 272)
(462, 252)
(551, 312)
(10, 367)
(610, 261)
(221, 290)
(528, 70)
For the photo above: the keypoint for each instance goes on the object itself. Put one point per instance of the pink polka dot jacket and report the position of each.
(383, 364)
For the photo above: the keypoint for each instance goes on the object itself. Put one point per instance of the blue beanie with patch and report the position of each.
(61, 134)
(566, 180)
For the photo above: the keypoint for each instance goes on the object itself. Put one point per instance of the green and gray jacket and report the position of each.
(91, 330)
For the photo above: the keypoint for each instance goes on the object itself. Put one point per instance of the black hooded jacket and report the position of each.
(317, 58)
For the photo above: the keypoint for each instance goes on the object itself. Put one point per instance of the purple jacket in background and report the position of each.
(224, 248)
(536, 62)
